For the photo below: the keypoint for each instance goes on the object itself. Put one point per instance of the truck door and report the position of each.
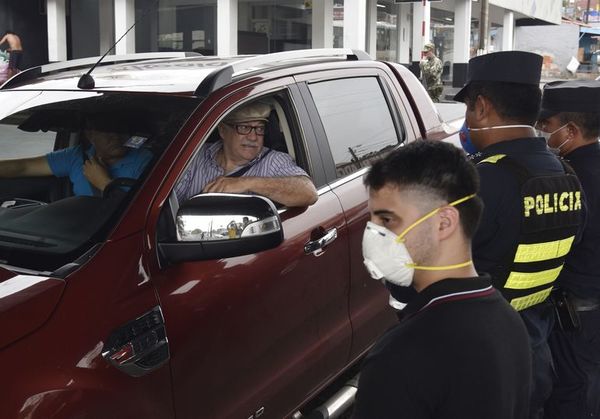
(356, 123)
(256, 335)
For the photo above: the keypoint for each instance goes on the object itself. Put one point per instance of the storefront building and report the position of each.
(393, 30)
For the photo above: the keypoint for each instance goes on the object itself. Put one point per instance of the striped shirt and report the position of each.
(204, 169)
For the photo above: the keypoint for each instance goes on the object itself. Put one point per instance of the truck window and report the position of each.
(357, 120)
(24, 144)
(281, 136)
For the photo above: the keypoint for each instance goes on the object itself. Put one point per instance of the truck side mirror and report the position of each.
(216, 226)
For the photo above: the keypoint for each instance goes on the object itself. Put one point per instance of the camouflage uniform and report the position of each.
(431, 69)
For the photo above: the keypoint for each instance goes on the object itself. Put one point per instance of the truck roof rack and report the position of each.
(35, 72)
(224, 75)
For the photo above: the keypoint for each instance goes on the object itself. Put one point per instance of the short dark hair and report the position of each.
(437, 167)
(588, 122)
(9, 32)
(515, 102)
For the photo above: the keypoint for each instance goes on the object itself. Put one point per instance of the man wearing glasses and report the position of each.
(240, 163)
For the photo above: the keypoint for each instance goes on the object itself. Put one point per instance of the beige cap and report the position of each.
(256, 111)
(428, 47)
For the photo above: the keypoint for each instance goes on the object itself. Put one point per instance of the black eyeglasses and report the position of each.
(244, 129)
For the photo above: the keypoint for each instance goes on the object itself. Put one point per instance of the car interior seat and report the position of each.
(274, 138)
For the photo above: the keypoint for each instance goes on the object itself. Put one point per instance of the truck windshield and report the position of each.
(69, 163)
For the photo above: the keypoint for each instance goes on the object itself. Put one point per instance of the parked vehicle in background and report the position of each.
(143, 306)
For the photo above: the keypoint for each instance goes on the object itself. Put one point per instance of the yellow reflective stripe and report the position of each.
(493, 159)
(526, 280)
(521, 303)
(543, 251)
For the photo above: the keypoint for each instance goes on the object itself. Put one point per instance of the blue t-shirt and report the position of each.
(69, 162)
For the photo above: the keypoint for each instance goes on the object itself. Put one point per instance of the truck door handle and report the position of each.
(316, 246)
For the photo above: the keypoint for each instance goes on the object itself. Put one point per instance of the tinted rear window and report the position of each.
(357, 121)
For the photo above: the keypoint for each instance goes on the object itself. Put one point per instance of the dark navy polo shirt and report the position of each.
(460, 351)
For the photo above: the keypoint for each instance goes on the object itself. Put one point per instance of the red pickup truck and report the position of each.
(131, 304)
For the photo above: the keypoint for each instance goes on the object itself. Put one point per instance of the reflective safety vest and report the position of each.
(551, 215)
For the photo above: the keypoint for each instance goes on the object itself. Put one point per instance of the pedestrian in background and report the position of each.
(526, 230)
(15, 48)
(570, 120)
(460, 350)
(431, 72)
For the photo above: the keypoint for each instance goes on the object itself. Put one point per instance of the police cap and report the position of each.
(505, 66)
(570, 96)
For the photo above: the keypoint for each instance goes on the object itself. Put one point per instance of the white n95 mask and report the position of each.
(386, 256)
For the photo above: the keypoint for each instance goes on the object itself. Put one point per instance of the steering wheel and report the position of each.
(115, 185)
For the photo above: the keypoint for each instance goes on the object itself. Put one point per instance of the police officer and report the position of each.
(532, 206)
(570, 120)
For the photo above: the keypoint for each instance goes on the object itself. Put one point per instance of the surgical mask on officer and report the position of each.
(465, 139)
(465, 135)
(548, 135)
(500, 127)
(387, 258)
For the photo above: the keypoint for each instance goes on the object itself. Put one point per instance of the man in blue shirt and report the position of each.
(90, 170)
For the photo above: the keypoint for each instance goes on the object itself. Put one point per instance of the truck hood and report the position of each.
(26, 302)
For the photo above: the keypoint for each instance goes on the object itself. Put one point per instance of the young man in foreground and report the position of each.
(460, 350)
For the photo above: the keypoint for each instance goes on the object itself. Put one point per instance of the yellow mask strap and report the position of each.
(439, 268)
(400, 238)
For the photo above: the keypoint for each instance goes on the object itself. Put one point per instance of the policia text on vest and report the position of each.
(549, 203)
(551, 216)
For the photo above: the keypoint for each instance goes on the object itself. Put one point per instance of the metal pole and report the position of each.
(484, 25)
(587, 12)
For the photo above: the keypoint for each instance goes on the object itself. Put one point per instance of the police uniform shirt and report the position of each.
(500, 191)
(582, 266)
(460, 352)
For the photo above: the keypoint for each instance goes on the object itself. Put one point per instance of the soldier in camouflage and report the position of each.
(431, 72)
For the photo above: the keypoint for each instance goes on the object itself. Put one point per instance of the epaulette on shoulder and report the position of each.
(492, 159)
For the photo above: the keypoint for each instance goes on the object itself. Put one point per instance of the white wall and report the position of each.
(564, 45)
(124, 20)
(355, 24)
(548, 10)
(227, 23)
(57, 30)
